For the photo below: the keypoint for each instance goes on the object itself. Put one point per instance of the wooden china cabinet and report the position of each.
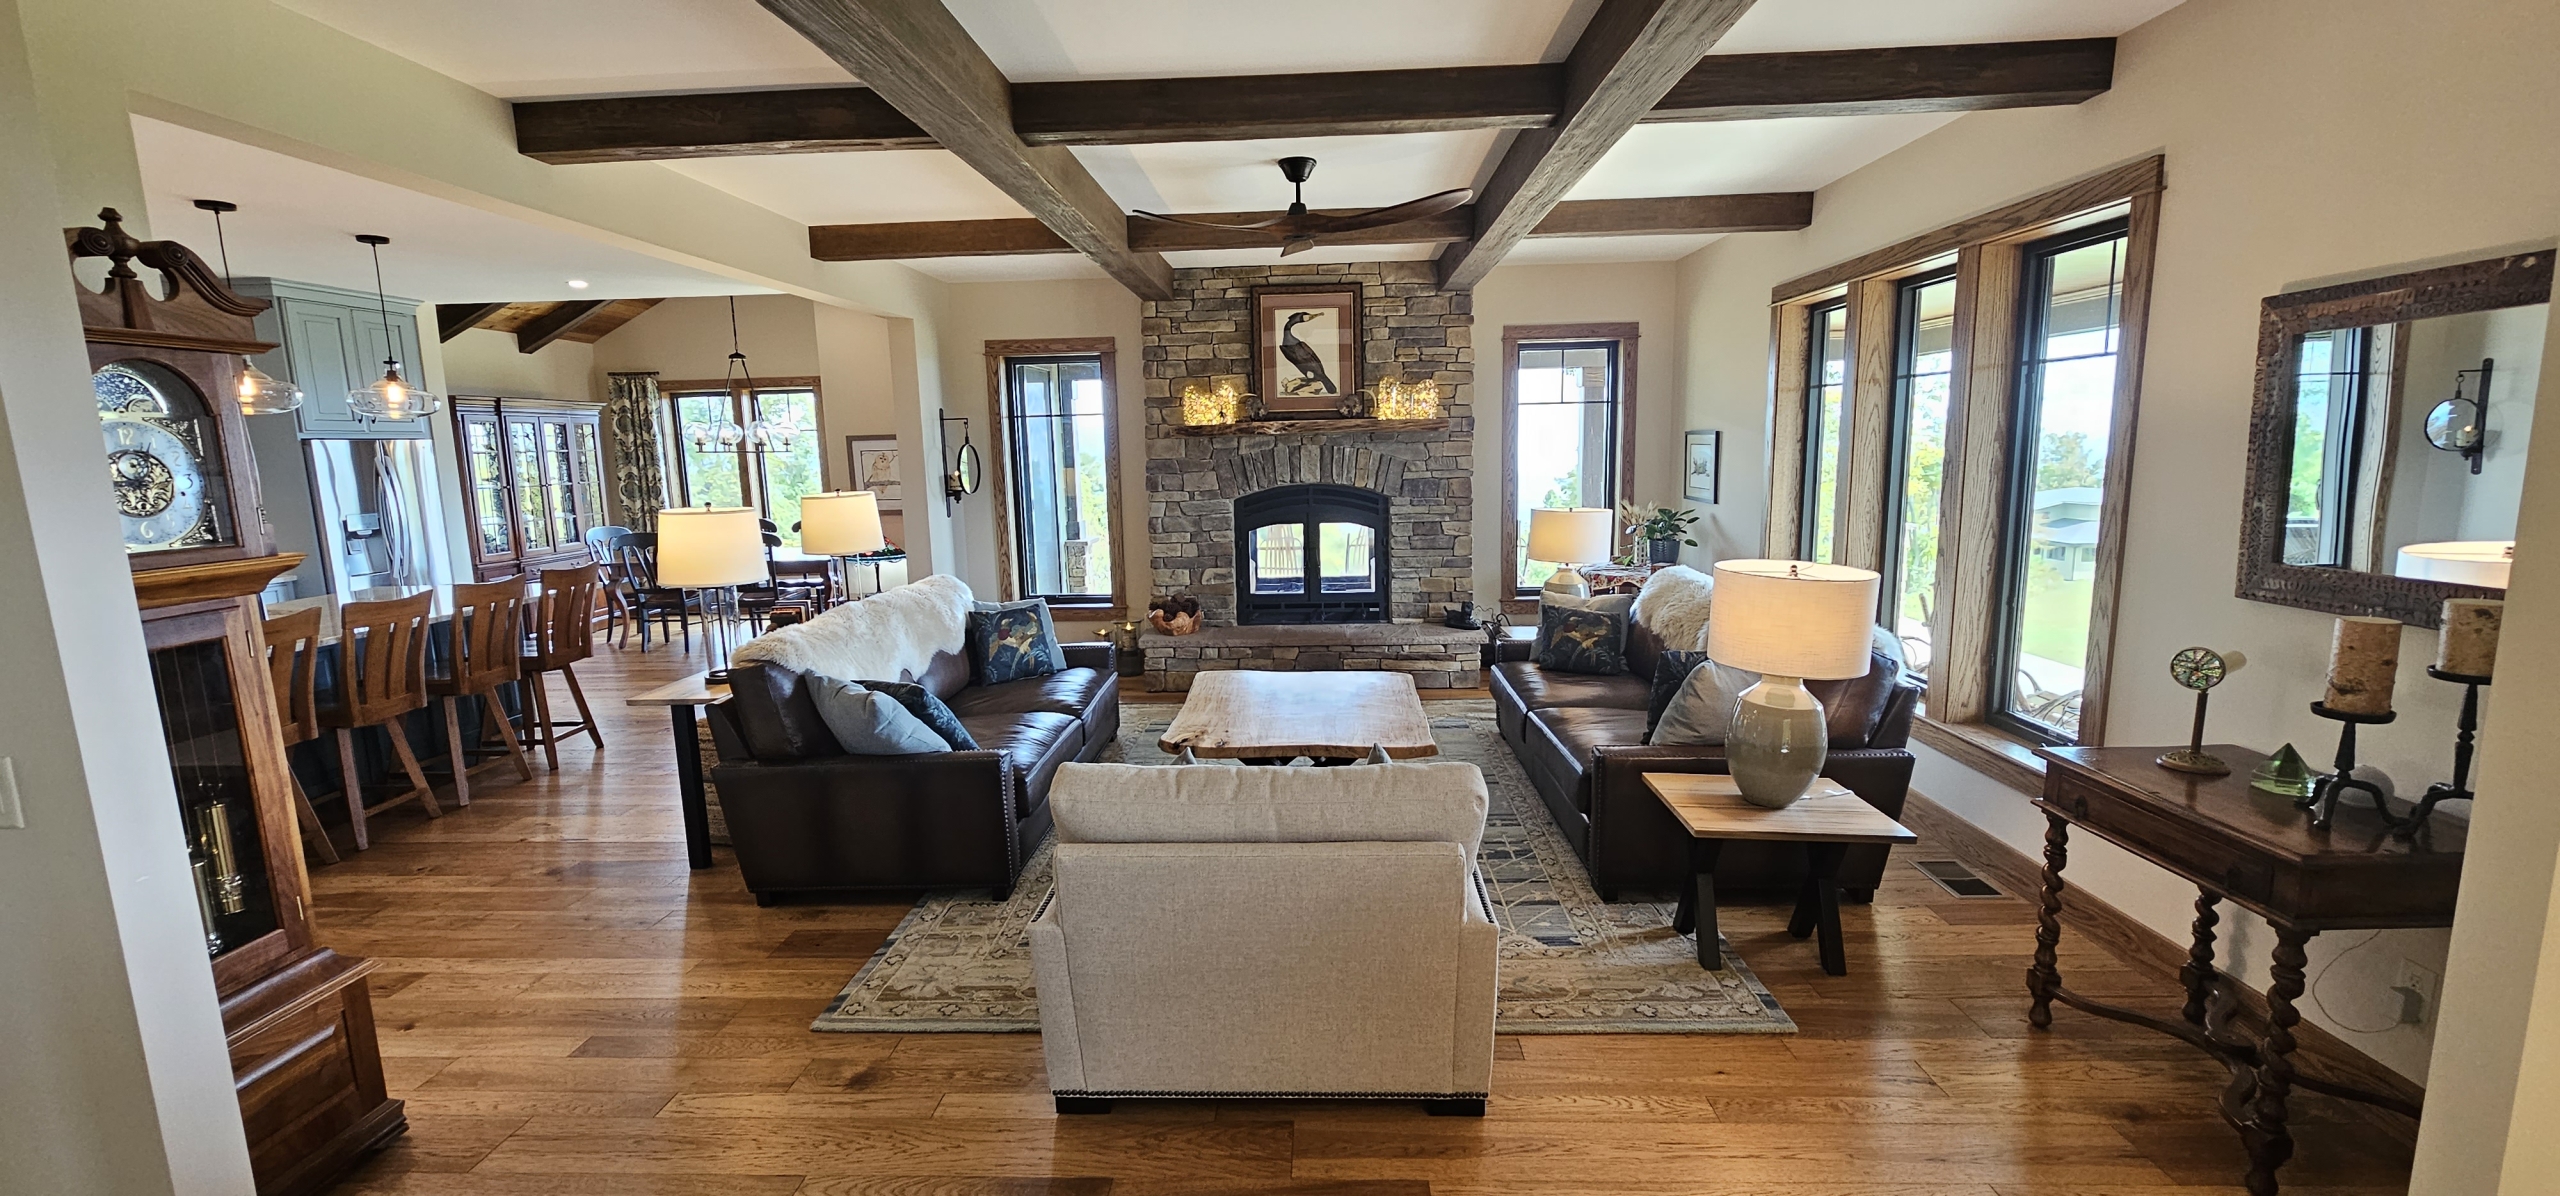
(165, 355)
(533, 481)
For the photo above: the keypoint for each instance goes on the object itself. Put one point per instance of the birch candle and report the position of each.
(2468, 646)
(2364, 660)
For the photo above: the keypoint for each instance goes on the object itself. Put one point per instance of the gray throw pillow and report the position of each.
(1583, 635)
(1702, 712)
(871, 724)
(928, 710)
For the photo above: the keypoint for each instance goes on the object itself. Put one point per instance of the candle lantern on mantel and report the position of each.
(2364, 661)
(2466, 654)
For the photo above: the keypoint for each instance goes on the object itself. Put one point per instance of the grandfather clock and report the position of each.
(165, 355)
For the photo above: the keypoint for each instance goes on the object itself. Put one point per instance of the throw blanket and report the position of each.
(876, 639)
(1674, 605)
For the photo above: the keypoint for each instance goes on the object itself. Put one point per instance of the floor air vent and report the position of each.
(1955, 878)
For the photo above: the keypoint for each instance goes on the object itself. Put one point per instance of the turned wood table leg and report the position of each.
(2197, 975)
(2270, 1143)
(2043, 978)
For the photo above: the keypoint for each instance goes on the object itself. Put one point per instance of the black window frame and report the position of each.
(1906, 344)
(1614, 451)
(1017, 486)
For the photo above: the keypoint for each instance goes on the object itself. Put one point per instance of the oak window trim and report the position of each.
(1107, 349)
(1514, 337)
(1987, 251)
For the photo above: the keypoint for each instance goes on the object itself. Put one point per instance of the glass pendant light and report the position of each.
(256, 391)
(390, 397)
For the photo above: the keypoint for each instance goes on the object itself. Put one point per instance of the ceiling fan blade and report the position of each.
(1297, 245)
(1161, 218)
(1411, 210)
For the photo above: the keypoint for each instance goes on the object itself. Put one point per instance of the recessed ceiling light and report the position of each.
(577, 284)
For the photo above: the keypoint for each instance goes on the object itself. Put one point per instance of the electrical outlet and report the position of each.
(13, 816)
(2418, 986)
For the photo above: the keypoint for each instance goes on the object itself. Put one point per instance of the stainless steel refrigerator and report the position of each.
(380, 515)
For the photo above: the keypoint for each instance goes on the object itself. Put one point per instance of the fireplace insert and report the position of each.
(1311, 554)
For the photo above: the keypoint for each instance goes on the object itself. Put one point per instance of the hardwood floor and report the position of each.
(569, 1011)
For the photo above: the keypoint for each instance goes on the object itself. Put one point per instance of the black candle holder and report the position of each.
(2465, 731)
(2322, 801)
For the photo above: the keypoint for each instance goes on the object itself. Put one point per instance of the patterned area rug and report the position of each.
(1570, 963)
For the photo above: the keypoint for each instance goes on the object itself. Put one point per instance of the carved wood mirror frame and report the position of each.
(2520, 280)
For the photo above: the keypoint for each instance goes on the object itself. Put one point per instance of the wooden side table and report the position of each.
(1828, 819)
(2260, 853)
(682, 698)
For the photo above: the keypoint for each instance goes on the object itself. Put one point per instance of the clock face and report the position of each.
(2198, 668)
(155, 461)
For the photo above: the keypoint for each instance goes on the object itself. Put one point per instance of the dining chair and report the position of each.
(617, 606)
(636, 555)
(486, 655)
(561, 634)
(382, 678)
(293, 658)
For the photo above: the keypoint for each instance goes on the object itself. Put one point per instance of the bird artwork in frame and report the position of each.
(1306, 348)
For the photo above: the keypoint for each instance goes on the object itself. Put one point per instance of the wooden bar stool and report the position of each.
(562, 634)
(488, 633)
(382, 678)
(293, 657)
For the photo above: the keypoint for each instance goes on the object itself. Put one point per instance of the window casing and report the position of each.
(1826, 422)
(1057, 462)
(1568, 395)
(2328, 485)
(772, 481)
(1924, 374)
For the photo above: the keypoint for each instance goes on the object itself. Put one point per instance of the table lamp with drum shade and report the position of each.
(841, 523)
(714, 550)
(1788, 621)
(1569, 536)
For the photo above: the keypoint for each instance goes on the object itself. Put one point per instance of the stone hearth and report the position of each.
(1438, 657)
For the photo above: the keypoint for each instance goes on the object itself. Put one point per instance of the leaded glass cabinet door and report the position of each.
(484, 463)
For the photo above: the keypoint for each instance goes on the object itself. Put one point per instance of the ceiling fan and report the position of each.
(1298, 229)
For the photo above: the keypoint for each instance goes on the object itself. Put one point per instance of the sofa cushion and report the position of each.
(1854, 707)
(775, 715)
(1561, 740)
(928, 710)
(1644, 649)
(1540, 688)
(1034, 744)
(869, 723)
(1583, 635)
(1439, 801)
(1067, 692)
(1011, 641)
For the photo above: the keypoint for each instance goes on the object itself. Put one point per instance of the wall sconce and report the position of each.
(962, 472)
(2460, 425)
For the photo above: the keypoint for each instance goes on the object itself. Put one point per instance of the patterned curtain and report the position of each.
(639, 473)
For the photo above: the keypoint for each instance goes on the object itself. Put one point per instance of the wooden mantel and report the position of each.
(1294, 427)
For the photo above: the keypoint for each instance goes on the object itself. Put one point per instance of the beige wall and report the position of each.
(483, 362)
(2266, 109)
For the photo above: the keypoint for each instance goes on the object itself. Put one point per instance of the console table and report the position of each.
(2257, 851)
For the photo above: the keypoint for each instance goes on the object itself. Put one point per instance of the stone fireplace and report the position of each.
(1292, 538)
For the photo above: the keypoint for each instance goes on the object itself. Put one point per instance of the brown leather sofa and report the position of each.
(1580, 737)
(805, 817)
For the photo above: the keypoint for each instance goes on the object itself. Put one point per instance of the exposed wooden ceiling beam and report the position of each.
(919, 59)
(560, 321)
(1776, 211)
(1135, 111)
(1628, 58)
(454, 319)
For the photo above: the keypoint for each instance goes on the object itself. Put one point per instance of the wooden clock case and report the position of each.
(298, 1015)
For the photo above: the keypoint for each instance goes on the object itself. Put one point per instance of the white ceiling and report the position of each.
(515, 49)
(298, 220)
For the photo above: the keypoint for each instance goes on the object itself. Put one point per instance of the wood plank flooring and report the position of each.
(569, 1011)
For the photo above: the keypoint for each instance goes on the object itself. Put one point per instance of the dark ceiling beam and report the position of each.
(558, 322)
(1627, 59)
(454, 319)
(915, 54)
(1777, 211)
(1134, 111)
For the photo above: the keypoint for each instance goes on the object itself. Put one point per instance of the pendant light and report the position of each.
(391, 396)
(256, 391)
(724, 434)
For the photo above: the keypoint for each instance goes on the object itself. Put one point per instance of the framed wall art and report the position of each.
(1306, 346)
(874, 462)
(1698, 464)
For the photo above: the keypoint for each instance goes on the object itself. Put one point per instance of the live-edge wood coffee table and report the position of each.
(1828, 819)
(1263, 717)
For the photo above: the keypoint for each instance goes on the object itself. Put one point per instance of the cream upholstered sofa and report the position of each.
(1225, 931)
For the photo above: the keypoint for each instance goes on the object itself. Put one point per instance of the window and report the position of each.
(1924, 362)
(1568, 394)
(2328, 435)
(1056, 455)
(2066, 405)
(1826, 400)
(772, 481)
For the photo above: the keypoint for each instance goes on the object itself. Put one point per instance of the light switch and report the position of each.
(12, 815)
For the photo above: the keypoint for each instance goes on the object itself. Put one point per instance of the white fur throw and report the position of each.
(1673, 605)
(876, 639)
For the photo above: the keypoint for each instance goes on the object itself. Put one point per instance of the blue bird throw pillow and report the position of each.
(1584, 635)
(1011, 641)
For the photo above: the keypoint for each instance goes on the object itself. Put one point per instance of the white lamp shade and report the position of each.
(1571, 535)
(841, 523)
(2463, 562)
(1793, 618)
(704, 547)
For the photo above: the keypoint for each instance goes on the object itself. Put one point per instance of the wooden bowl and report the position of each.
(1179, 624)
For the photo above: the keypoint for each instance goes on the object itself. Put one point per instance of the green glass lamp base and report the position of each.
(1778, 742)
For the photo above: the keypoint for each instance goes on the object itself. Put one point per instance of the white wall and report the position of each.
(486, 362)
(2276, 117)
(2434, 494)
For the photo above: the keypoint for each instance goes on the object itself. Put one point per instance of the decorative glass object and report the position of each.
(1398, 399)
(1211, 407)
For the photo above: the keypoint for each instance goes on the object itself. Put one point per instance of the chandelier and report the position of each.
(771, 434)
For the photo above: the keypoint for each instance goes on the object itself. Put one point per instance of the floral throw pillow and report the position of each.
(1011, 641)
(1583, 635)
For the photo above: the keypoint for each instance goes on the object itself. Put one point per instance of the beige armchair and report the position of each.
(1269, 933)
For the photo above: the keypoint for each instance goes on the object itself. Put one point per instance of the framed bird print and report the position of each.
(1306, 347)
(1698, 452)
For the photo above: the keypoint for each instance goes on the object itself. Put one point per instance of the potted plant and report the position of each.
(1662, 530)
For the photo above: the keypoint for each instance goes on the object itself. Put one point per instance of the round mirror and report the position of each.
(965, 469)
(2454, 425)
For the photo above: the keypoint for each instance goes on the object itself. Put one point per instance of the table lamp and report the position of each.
(841, 523)
(1569, 536)
(1787, 621)
(714, 550)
